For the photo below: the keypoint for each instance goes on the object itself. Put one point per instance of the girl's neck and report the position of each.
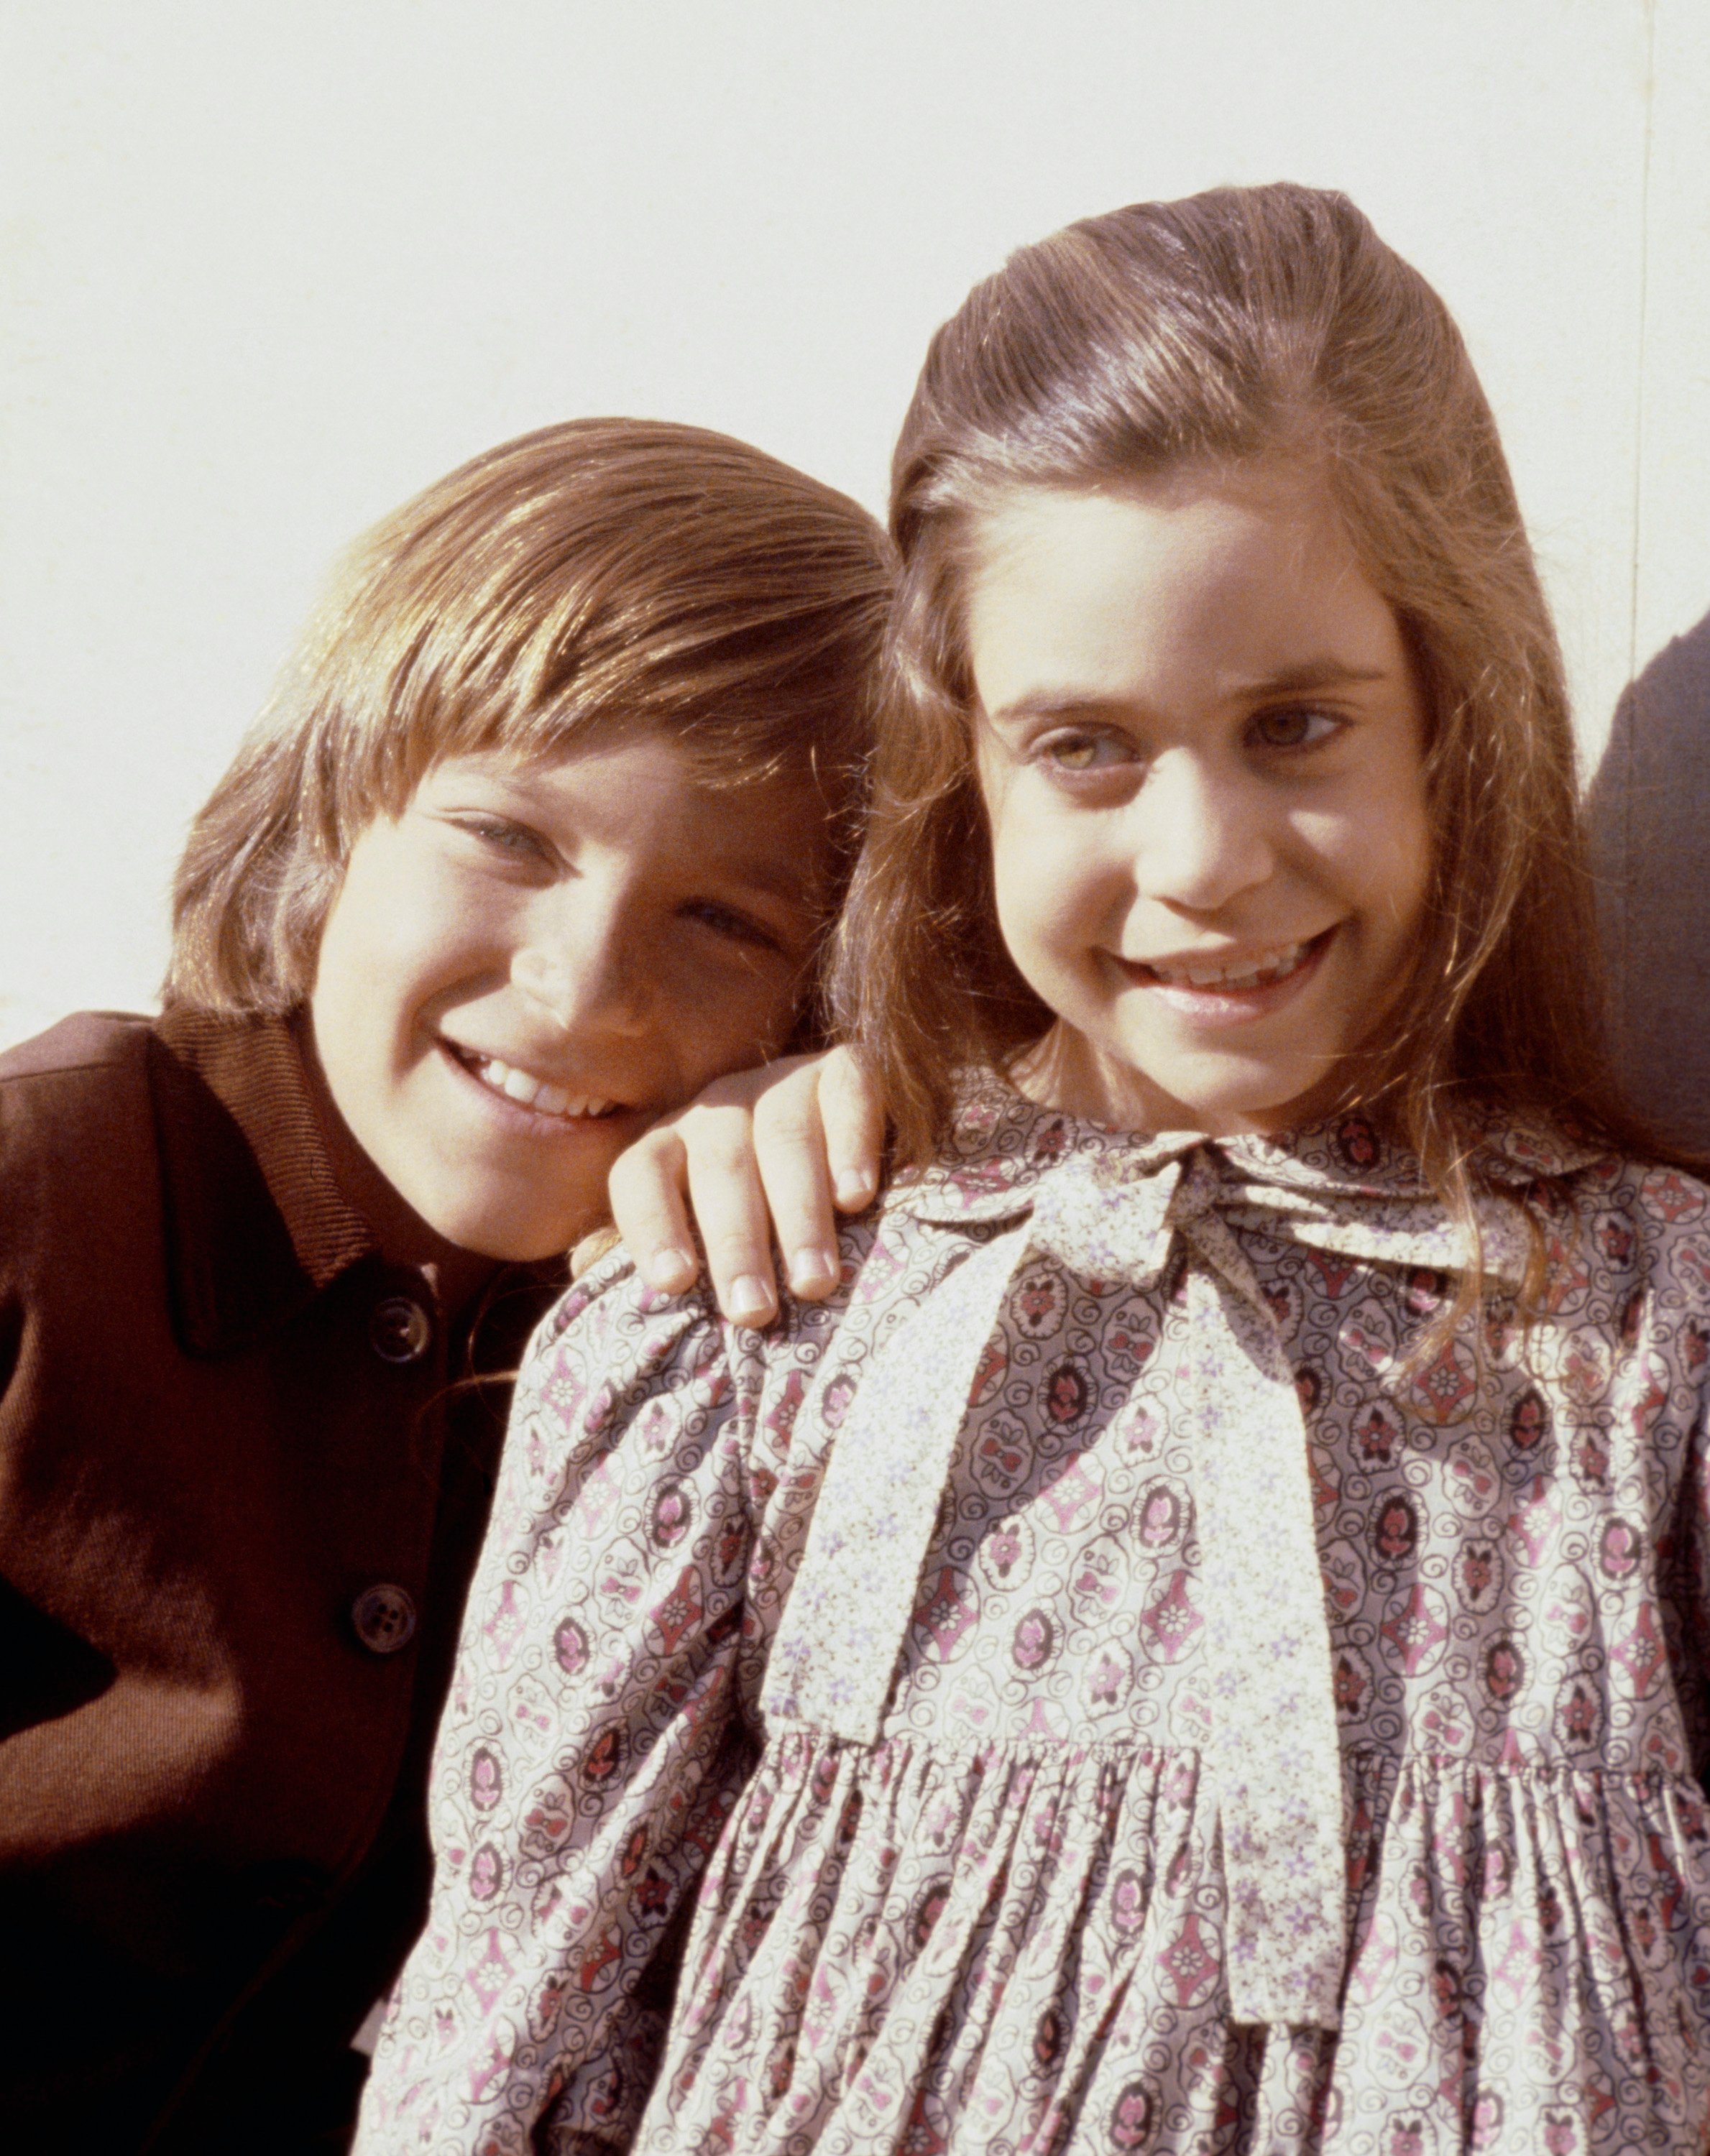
(1063, 1069)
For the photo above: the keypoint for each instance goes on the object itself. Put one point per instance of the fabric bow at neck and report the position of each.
(1273, 1753)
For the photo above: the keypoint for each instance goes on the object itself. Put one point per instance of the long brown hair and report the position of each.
(600, 577)
(1239, 324)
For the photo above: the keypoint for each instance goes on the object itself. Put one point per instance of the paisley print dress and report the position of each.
(1122, 1676)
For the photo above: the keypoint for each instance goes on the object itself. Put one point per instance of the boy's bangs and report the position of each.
(569, 588)
(739, 627)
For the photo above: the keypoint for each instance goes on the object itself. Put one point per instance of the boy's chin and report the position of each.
(517, 1228)
(529, 1245)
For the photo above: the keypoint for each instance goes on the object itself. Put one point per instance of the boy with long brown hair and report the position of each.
(539, 835)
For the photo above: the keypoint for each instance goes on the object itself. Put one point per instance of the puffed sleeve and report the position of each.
(591, 1745)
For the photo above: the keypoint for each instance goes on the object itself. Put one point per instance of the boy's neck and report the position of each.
(405, 1239)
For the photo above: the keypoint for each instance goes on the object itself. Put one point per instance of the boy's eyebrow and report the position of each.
(1301, 679)
(781, 879)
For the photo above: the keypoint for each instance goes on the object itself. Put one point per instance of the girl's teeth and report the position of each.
(552, 1099)
(521, 1086)
(1222, 976)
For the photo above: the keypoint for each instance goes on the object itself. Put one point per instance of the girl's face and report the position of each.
(1200, 746)
(535, 961)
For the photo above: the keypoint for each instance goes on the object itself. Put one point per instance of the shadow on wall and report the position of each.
(1649, 810)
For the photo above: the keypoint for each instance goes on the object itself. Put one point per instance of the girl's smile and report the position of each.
(1213, 987)
(1200, 746)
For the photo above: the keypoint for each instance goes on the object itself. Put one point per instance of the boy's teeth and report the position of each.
(530, 1093)
(1229, 977)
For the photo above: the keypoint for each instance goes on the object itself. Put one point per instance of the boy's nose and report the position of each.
(1202, 835)
(581, 967)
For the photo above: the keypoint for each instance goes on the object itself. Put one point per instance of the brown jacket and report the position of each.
(238, 1511)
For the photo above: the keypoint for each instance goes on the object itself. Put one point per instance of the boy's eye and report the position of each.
(505, 837)
(1295, 727)
(737, 928)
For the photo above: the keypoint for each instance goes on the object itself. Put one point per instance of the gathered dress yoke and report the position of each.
(1126, 1675)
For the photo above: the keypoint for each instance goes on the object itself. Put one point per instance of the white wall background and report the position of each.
(268, 271)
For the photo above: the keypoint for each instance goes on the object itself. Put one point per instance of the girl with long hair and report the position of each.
(1198, 1643)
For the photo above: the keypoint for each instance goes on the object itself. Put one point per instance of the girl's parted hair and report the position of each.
(602, 577)
(1243, 323)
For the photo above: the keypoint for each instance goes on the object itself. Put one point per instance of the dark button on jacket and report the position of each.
(239, 1501)
(384, 1618)
(400, 1331)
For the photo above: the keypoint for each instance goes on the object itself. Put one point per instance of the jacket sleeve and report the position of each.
(591, 1745)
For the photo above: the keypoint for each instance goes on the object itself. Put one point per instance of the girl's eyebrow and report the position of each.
(1062, 704)
(1305, 677)
(1308, 675)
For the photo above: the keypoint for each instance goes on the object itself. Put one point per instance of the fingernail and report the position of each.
(854, 1186)
(750, 1300)
(672, 1269)
(812, 1267)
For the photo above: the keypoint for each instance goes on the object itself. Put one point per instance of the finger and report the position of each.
(789, 1146)
(729, 1204)
(646, 1187)
(854, 1122)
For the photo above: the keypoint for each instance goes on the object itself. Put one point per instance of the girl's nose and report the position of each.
(1203, 835)
(579, 963)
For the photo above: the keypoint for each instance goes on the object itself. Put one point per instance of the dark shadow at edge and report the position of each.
(1648, 815)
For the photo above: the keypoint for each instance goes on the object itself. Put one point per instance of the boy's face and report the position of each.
(535, 961)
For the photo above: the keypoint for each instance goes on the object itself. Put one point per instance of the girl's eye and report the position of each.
(1295, 728)
(1084, 751)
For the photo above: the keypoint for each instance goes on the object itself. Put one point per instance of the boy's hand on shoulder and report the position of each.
(775, 1151)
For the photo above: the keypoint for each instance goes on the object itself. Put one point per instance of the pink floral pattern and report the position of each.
(998, 1829)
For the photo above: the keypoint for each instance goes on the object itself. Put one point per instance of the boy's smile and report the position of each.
(1201, 747)
(538, 1094)
(535, 961)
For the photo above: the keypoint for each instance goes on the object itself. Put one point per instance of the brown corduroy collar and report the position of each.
(256, 1222)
